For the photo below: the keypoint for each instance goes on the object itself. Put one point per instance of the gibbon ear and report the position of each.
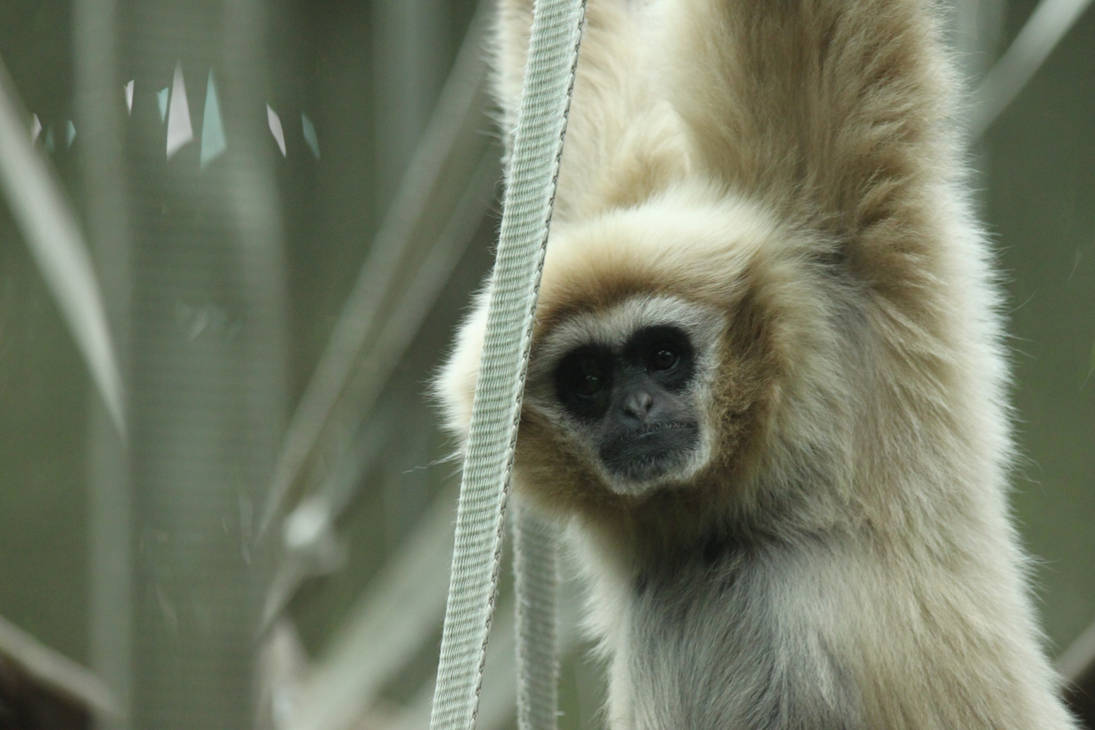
(454, 383)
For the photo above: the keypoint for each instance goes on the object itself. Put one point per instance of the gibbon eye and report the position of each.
(663, 358)
(664, 352)
(583, 380)
(591, 381)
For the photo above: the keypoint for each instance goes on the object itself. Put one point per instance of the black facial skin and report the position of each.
(634, 401)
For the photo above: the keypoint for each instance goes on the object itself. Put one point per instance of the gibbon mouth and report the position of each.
(651, 452)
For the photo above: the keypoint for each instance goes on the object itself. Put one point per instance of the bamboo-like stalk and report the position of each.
(57, 245)
(1045, 28)
(205, 350)
(338, 391)
(99, 105)
(55, 671)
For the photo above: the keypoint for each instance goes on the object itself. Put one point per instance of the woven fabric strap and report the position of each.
(530, 189)
(535, 571)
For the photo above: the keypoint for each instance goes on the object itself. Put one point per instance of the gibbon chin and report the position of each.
(766, 388)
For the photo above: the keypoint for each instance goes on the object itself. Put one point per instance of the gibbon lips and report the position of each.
(650, 452)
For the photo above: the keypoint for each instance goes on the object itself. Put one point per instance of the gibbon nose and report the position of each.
(638, 404)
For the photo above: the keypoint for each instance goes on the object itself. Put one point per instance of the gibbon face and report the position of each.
(628, 387)
(655, 356)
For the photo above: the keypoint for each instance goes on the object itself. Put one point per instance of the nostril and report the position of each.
(638, 404)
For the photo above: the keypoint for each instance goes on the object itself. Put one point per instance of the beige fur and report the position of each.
(843, 556)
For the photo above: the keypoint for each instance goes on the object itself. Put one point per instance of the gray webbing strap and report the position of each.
(534, 563)
(537, 147)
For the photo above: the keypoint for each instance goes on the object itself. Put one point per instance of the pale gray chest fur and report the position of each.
(706, 647)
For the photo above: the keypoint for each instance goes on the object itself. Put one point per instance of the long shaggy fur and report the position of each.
(844, 559)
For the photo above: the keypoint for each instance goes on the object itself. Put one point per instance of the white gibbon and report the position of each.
(766, 395)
